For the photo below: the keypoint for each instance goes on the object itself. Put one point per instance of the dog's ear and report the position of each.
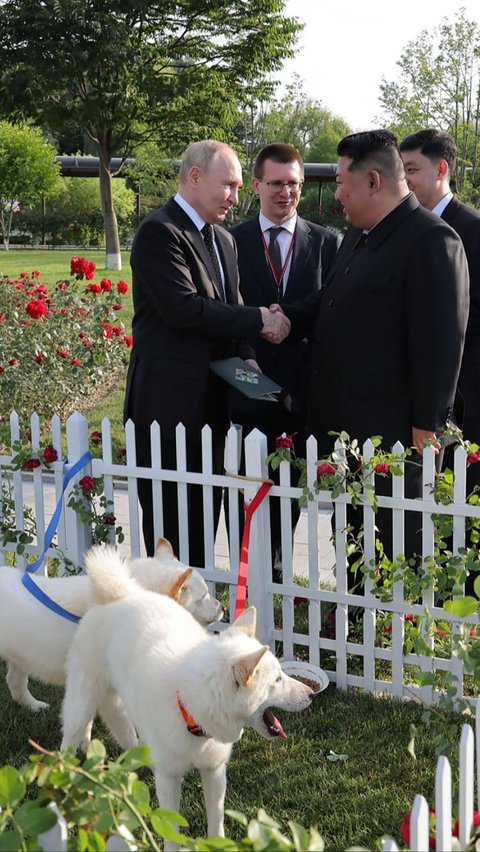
(179, 583)
(243, 670)
(247, 621)
(163, 549)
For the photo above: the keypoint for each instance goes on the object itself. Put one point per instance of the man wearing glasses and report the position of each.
(282, 258)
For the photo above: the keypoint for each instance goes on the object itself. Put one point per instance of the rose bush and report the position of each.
(56, 343)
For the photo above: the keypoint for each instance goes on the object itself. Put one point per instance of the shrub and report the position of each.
(56, 343)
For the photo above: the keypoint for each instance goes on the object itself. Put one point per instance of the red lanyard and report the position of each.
(278, 278)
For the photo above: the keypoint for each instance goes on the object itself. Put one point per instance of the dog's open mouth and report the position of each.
(272, 725)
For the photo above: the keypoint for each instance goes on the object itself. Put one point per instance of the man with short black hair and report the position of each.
(281, 258)
(391, 319)
(429, 157)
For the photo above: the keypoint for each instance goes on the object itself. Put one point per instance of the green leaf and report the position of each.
(301, 837)
(96, 749)
(12, 788)
(9, 840)
(334, 757)
(33, 818)
(461, 606)
(136, 757)
(163, 824)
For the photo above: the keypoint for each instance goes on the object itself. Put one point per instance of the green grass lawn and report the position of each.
(352, 800)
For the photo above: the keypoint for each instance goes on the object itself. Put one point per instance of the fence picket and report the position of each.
(443, 804)
(73, 538)
(465, 784)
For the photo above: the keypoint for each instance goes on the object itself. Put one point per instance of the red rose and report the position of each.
(31, 464)
(122, 287)
(473, 458)
(106, 285)
(2, 369)
(35, 273)
(87, 484)
(128, 340)
(117, 307)
(13, 362)
(284, 441)
(476, 821)
(50, 454)
(94, 288)
(122, 452)
(326, 469)
(382, 467)
(75, 362)
(62, 353)
(405, 829)
(62, 285)
(109, 520)
(96, 437)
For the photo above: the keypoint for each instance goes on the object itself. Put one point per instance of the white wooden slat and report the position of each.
(132, 488)
(465, 784)
(443, 804)
(157, 491)
(107, 459)
(419, 828)
(398, 540)
(369, 619)
(207, 492)
(182, 491)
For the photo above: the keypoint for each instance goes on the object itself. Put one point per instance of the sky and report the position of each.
(347, 47)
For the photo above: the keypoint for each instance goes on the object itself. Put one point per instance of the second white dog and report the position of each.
(34, 640)
(150, 668)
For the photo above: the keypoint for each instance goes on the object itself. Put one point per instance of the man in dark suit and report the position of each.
(188, 312)
(391, 318)
(281, 258)
(429, 157)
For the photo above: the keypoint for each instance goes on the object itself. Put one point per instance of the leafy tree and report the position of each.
(128, 70)
(27, 172)
(303, 122)
(439, 86)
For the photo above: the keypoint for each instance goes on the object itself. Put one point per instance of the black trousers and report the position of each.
(196, 532)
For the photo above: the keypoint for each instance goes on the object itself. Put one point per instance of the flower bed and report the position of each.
(58, 342)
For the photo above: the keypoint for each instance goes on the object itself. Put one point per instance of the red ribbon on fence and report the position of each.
(250, 510)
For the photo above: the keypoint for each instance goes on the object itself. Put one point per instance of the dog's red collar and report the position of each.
(192, 726)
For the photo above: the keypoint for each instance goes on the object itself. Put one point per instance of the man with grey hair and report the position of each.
(188, 313)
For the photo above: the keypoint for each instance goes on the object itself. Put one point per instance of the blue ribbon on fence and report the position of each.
(69, 472)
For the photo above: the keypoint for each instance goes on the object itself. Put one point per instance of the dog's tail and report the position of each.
(110, 575)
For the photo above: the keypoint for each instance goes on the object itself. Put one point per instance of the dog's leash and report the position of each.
(70, 470)
(250, 510)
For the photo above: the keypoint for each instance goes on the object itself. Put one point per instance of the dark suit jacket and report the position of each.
(390, 330)
(313, 254)
(180, 325)
(465, 221)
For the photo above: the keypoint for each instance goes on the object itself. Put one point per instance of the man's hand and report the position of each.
(420, 436)
(276, 326)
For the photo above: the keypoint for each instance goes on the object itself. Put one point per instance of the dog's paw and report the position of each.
(35, 705)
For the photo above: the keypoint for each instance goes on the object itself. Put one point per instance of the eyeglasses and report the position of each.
(277, 185)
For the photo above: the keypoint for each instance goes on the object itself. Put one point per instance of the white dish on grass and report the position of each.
(307, 671)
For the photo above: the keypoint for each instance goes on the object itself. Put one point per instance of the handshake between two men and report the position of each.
(276, 326)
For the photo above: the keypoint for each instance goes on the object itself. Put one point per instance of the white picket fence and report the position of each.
(469, 755)
(380, 667)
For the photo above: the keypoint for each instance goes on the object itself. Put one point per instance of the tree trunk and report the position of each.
(112, 241)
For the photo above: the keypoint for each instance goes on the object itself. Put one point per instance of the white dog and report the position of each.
(34, 640)
(187, 692)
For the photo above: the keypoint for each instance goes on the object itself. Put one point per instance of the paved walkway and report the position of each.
(222, 560)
